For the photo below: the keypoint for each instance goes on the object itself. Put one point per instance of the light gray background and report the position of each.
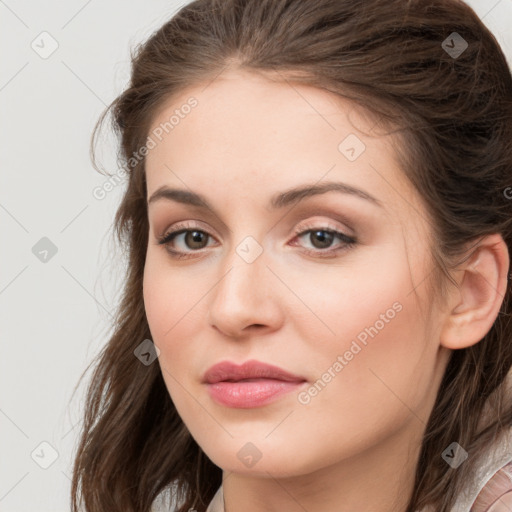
(55, 314)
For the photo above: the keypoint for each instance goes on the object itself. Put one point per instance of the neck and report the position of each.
(380, 479)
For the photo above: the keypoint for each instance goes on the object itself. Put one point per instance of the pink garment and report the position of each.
(496, 495)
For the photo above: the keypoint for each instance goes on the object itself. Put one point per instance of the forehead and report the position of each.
(251, 135)
(257, 113)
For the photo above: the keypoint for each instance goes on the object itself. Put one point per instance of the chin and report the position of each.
(275, 463)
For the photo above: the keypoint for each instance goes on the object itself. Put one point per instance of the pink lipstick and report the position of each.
(253, 384)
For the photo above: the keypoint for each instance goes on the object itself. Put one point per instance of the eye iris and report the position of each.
(324, 236)
(192, 237)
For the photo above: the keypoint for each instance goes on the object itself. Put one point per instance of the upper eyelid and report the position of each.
(338, 213)
(308, 225)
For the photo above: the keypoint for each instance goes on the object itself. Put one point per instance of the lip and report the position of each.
(252, 384)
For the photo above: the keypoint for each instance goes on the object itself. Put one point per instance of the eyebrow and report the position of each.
(279, 200)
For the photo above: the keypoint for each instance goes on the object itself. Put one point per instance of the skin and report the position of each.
(355, 445)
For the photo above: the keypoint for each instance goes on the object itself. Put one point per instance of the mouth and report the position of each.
(253, 384)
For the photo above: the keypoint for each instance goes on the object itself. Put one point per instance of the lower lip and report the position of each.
(248, 394)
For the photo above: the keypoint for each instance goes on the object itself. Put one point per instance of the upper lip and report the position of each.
(227, 371)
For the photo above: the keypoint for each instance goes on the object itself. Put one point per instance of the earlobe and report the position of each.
(481, 290)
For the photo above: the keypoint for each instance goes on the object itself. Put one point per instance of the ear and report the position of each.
(474, 306)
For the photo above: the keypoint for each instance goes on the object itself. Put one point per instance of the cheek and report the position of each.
(367, 338)
(169, 305)
(363, 300)
(370, 377)
(363, 311)
(176, 309)
(170, 296)
(159, 301)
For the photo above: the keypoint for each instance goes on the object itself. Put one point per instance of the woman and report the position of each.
(318, 220)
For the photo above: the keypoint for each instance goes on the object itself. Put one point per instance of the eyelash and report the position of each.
(349, 241)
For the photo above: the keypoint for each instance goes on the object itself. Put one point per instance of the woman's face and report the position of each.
(263, 276)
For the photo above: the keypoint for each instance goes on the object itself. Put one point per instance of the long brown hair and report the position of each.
(453, 116)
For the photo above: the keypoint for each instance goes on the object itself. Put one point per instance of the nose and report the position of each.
(245, 300)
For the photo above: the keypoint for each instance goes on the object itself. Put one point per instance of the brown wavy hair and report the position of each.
(453, 118)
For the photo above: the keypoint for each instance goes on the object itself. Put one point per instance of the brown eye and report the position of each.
(195, 239)
(187, 240)
(324, 238)
(320, 240)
